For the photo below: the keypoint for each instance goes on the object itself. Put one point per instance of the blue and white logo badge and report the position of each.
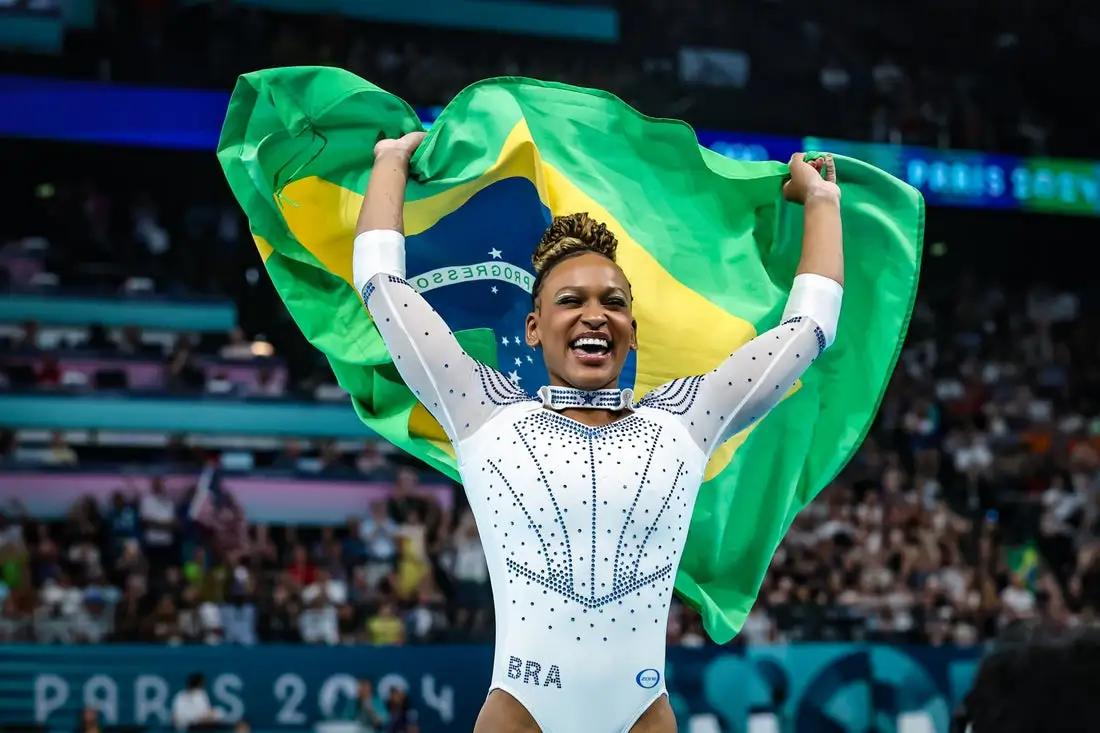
(648, 678)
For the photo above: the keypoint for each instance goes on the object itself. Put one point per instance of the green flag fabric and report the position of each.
(707, 242)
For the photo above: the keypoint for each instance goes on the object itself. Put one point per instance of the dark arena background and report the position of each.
(185, 490)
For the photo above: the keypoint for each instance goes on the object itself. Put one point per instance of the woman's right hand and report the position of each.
(403, 147)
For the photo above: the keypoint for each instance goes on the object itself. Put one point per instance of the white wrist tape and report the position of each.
(816, 297)
(378, 250)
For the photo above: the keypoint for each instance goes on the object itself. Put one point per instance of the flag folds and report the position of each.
(707, 242)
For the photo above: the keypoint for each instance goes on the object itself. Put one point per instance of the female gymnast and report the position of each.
(583, 496)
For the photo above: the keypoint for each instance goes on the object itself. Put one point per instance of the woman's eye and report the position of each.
(616, 301)
(567, 299)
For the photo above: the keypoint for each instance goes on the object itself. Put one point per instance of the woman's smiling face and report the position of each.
(583, 322)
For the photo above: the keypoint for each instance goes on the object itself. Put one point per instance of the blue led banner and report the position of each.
(192, 119)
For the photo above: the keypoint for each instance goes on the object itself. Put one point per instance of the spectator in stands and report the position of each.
(7, 445)
(153, 239)
(384, 627)
(130, 611)
(98, 340)
(239, 614)
(188, 620)
(1018, 602)
(45, 557)
(300, 569)
(96, 623)
(163, 625)
(366, 709)
(262, 552)
(266, 384)
(194, 569)
(185, 374)
(216, 509)
(191, 706)
(30, 340)
(471, 576)
(178, 453)
(84, 560)
(122, 522)
(426, 619)
(353, 549)
(289, 458)
(318, 623)
(60, 453)
(371, 463)
(158, 520)
(83, 522)
(412, 555)
(332, 590)
(379, 532)
(230, 525)
(333, 561)
(330, 460)
(48, 373)
(13, 549)
(133, 344)
(238, 347)
(318, 551)
(278, 616)
(215, 581)
(405, 496)
(89, 721)
(60, 604)
(403, 716)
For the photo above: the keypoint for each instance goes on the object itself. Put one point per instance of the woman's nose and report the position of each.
(594, 319)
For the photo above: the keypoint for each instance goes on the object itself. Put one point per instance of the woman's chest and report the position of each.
(630, 463)
(588, 512)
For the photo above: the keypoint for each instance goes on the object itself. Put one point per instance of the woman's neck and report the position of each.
(556, 381)
(592, 418)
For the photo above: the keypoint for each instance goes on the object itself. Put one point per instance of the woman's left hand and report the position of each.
(806, 179)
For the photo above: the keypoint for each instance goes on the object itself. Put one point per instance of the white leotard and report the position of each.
(582, 527)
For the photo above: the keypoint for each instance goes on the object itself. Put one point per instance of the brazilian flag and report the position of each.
(707, 242)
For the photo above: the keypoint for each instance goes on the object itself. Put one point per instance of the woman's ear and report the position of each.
(531, 329)
(633, 335)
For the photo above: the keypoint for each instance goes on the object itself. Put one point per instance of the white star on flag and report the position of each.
(495, 253)
(514, 377)
(518, 362)
(516, 339)
(494, 289)
(530, 360)
(503, 340)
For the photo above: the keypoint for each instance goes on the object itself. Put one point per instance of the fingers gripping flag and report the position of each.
(707, 243)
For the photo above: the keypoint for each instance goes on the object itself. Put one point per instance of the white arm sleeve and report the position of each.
(460, 392)
(719, 404)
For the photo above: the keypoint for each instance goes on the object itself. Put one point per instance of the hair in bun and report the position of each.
(567, 236)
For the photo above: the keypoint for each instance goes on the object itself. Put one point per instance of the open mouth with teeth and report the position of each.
(591, 349)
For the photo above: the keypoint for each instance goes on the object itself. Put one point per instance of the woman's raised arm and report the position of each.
(460, 392)
(753, 379)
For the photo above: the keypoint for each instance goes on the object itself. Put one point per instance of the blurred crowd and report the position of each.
(106, 239)
(972, 505)
(859, 71)
(189, 567)
(974, 502)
